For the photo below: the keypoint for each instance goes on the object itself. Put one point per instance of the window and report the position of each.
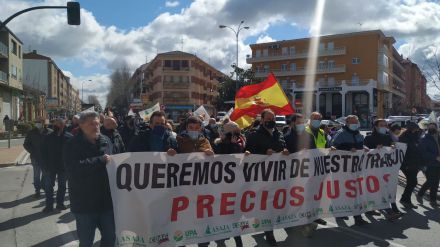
(14, 47)
(356, 60)
(19, 51)
(176, 64)
(331, 64)
(167, 63)
(266, 68)
(283, 67)
(265, 52)
(330, 46)
(385, 78)
(284, 51)
(13, 71)
(385, 61)
(258, 53)
(321, 65)
(360, 99)
(185, 64)
(293, 66)
(292, 50)
(355, 79)
(321, 46)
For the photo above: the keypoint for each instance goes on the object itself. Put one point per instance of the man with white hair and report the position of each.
(87, 155)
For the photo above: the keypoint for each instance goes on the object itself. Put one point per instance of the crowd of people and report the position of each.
(77, 155)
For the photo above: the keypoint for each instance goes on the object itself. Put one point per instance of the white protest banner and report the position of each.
(131, 113)
(201, 111)
(193, 198)
(91, 109)
(146, 114)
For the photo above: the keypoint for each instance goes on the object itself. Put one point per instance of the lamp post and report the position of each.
(236, 32)
(82, 90)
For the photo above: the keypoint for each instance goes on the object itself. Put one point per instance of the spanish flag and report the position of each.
(251, 100)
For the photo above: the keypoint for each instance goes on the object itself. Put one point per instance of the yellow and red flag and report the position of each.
(251, 100)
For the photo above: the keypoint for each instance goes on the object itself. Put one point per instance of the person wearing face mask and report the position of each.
(33, 143)
(298, 139)
(53, 167)
(231, 141)
(266, 139)
(379, 138)
(213, 130)
(430, 148)
(156, 138)
(349, 138)
(314, 129)
(395, 131)
(109, 129)
(411, 162)
(192, 139)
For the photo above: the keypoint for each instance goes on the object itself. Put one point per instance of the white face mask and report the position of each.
(194, 135)
(38, 125)
(353, 127)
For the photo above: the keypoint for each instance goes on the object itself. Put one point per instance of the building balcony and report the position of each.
(302, 71)
(344, 83)
(172, 101)
(3, 50)
(3, 77)
(172, 69)
(297, 55)
(175, 85)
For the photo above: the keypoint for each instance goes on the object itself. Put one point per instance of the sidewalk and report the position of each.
(13, 156)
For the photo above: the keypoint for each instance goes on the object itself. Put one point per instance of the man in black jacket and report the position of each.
(156, 138)
(87, 155)
(33, 143)
(53, 165)
(267, 140)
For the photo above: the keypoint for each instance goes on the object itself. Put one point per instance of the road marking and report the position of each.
(335, 226)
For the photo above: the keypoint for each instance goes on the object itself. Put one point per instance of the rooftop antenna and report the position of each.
(360, 25)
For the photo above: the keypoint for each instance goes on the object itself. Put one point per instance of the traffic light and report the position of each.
(73, 13)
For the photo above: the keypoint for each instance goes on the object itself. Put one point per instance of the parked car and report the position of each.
(280, 120)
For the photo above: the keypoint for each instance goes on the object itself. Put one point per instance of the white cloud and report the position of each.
(171, 4)
(264, 38)
(96, 84)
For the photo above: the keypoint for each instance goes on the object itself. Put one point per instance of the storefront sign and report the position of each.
(330, 89)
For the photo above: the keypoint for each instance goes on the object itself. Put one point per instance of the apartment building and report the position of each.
(42, 74)
(11, 75)
(357, 73)
(179, 81)
(416, 87)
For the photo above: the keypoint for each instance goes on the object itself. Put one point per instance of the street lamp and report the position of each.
(236, 32)
(82, 90)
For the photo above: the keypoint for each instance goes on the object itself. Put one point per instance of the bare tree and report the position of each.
(118, 95)
(93, 99)
(431, 70)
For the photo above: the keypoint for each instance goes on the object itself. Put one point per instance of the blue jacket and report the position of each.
(429, 150)
(346, 139)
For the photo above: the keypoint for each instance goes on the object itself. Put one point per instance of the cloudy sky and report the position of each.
(130, 32)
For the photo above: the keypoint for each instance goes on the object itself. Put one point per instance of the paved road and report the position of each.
(14, 142)
(23, 224)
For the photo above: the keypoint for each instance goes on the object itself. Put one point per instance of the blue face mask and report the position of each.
(194, 135)
(159, 130)
(315, 124)
(353, 127)
(382, 130)
(300, 128)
